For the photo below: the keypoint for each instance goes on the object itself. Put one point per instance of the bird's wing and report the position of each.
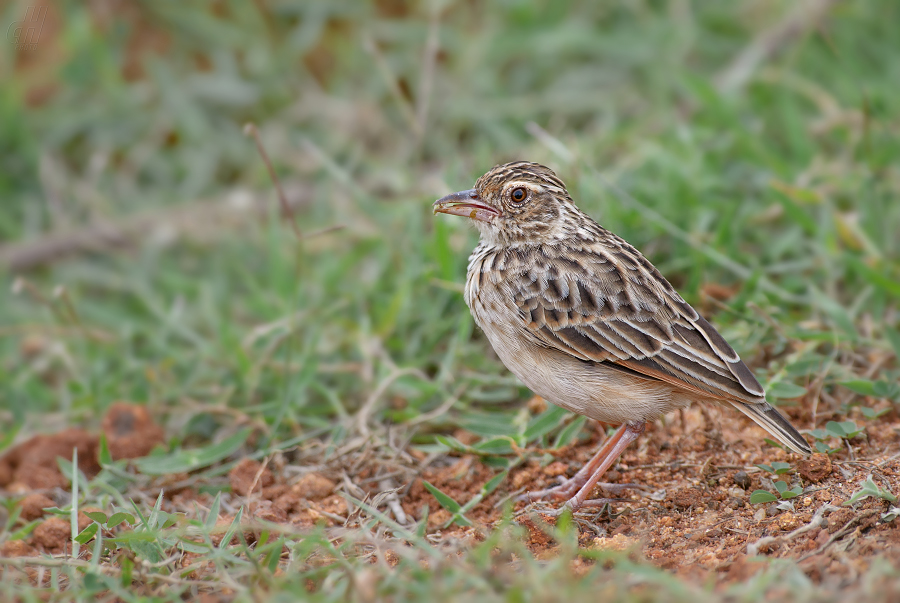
(610, 304)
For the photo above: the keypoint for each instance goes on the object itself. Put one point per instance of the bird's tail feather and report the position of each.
(767, 416)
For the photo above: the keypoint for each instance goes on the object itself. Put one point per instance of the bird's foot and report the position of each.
(572, 506)
(569, 487)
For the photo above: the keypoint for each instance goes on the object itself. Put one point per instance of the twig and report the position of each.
(192, 219)
(817, 385)
(362, 416)
(385, 70)
(325, 230)
(754, 547)
(841, 533)
(551, 142)
(429, 59)
(770, 42)
(888, 460)
(256, 478)
(393, 502)
(251, 130)
(448, 403)
(509, 496)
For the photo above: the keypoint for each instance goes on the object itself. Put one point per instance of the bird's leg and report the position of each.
(577, 482)
(616, 445)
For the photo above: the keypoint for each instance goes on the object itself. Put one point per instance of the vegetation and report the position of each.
(146, 259)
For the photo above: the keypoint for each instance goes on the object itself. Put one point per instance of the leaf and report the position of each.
(792, 209)
(444, 500)
(819, 434)
(94, 582)
(822, 447)
(485, 490)
(118, 518)
(200, 548)
(870, 488)
(778, 468)
(492, 446)
(871, 413)
(96, 516)
(773, 443)
(11, 431)
(851, 428)
(498, 445)
(210, 522)
(876, 277)
(544, 423)
(12, 519)
(422, 527)
(155, 513)
(130, 537)
(893, 338)
(781, 487)
(184, 461)
(87, 534)
(835, 429)
(785, 390)
(68, 469)
(453, 444)
(843, 429)
(785, 505)
(792, 493)
(860, 386)
(492, 484)
(887, 389)
(274, 557)
(567, 434)
(782, 468)
(127, 571)
(229, 533)
(23, 532)
(838, 314)
(761, 496)
(103, 456)
(875, 389)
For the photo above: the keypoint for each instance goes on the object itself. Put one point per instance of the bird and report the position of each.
(585, 321)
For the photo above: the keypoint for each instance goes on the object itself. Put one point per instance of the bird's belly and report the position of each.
(586, 388)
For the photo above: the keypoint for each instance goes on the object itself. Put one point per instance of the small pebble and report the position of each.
(742, 479)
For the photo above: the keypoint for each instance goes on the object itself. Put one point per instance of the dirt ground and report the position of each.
(692, 516)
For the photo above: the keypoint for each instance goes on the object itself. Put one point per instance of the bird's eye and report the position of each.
(518, 194)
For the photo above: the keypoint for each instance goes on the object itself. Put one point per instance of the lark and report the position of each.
(588, 323)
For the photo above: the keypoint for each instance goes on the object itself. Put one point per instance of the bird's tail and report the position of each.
(767, 416)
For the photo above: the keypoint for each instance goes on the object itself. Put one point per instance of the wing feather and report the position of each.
(607, 303)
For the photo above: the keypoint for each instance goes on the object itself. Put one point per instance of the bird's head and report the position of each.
(515, 203)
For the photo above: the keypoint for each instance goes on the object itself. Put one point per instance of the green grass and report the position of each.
(786, 189)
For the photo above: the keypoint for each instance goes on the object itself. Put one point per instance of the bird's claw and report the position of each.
(569, 487)
(573, 507)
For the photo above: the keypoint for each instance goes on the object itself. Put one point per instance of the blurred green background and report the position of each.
(749, 148)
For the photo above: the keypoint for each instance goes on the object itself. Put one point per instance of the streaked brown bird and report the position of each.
(588, 323)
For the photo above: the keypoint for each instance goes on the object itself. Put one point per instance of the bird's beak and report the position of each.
(467, 204)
